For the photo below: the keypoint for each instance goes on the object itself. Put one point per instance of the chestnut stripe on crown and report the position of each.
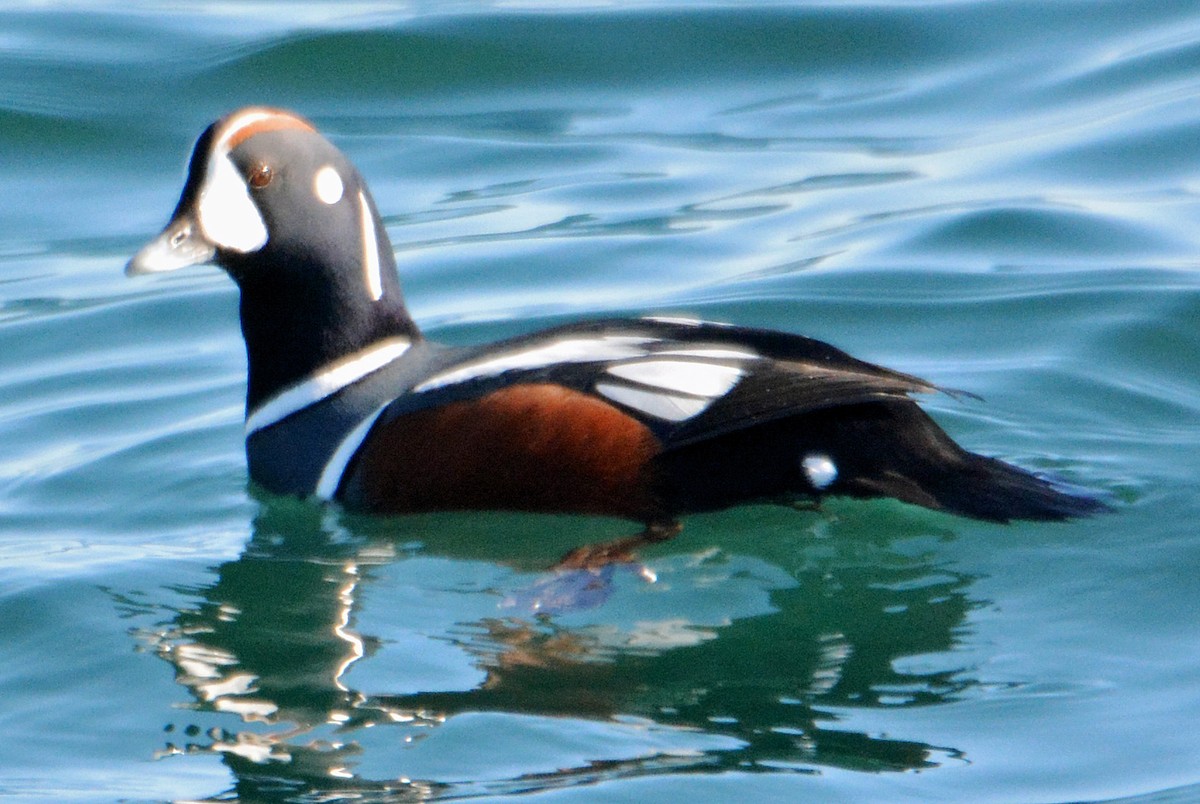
(256, 121)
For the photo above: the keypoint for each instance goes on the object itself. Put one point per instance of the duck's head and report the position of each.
(287, 215)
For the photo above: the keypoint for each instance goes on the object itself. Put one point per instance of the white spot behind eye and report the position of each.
(226, 213)
(820, 470)
(328, 186)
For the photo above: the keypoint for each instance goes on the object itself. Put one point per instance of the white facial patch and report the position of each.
(227, 215)
(820, 470)
(225, 212)
(370, 245)
(328, 186)
(571, 350)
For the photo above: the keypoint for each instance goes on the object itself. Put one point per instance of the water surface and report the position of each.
(999, 196)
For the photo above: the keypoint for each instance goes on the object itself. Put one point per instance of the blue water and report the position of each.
(1001, 196)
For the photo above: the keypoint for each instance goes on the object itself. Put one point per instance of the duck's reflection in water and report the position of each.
(335, 658)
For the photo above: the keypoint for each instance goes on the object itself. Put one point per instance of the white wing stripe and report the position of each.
(661, 406)
(714, 352)
(698, 379)
(571, 350)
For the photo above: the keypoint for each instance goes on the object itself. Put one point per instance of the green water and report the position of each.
(1003, 197)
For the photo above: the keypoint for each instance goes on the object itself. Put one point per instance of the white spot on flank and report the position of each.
(571, 350)
(328, 186)
(325, 383)
(226, 214)
(820, 470)
(370, 244)
(659, 405)
(699, 379)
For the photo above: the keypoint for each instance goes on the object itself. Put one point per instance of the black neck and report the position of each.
(297, 321)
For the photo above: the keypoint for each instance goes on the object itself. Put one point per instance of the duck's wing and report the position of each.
(650, 418)
(684, 380)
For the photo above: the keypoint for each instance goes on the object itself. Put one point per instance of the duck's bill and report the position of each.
(181, 244)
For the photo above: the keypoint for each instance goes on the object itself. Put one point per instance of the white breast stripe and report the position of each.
(331, 475)
(571, 350)
(699, 379)
(325, 383)
(370, 245)
(661, 406)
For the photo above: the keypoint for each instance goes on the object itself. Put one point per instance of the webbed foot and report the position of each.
(595, 556)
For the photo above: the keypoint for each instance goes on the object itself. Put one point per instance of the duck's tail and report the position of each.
(914, 460)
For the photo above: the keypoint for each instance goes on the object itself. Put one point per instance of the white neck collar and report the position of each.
(326, 382)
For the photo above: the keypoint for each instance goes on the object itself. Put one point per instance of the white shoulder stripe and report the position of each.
(687, 377)
(325, 383)
(659, 405)
(570, 350)
(331, 475)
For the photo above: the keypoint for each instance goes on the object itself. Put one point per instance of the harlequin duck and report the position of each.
(646, 419)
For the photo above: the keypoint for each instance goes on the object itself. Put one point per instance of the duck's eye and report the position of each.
(259, 177)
